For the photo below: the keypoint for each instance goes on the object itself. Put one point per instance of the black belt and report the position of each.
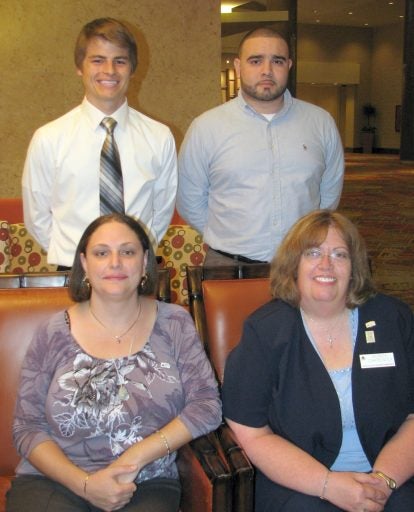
(237, 257)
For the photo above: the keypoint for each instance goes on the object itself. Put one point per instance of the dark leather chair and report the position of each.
(220, 299)
(210, 320)
(204, 471)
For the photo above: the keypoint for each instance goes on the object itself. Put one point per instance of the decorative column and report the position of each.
(407, 116)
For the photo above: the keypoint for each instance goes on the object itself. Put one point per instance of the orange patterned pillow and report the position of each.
(181, 246)
(26, 255)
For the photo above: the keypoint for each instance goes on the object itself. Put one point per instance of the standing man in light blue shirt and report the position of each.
(250, 168)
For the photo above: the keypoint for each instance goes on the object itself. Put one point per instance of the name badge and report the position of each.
(383, 360)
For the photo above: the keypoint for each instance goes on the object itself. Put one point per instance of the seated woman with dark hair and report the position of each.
(111, 388)
(320, 389)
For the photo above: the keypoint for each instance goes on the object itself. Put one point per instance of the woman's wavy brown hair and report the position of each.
(78, 291)
(310, 231)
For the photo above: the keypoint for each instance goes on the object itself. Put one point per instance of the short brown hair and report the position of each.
(311, 231)
(262, 32)
(77, 289)
(110, 30)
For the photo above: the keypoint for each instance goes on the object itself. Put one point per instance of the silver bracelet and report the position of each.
(165, 441)
(325, 485)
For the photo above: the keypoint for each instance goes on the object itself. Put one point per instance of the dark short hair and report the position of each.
(77, 289)
(110, 30)
(262, 32)
(311, 231)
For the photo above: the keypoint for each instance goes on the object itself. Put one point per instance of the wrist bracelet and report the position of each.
(85, 483)
(325, 485)
(164, 440)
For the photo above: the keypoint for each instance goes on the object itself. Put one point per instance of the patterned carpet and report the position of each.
(378, 196)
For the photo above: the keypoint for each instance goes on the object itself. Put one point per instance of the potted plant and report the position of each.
(368, 130)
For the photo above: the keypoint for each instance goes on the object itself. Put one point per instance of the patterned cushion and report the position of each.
(181, 246)
(26, 255)
(4, 245)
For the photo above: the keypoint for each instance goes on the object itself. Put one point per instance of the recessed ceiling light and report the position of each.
(350, 12)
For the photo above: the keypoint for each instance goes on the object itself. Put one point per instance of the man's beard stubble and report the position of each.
(267, 95)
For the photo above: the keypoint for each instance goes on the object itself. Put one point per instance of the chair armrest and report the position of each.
(9, 281)
(241, 468)
(207, 482)
(44, 279)
(5, 483)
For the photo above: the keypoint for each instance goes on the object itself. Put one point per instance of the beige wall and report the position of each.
(347, 45)
(387, 82)
(178, 75)
(378, 53)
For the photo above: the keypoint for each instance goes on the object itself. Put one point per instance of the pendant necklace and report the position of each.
(122, 391)
(329, 336)
(117, 337)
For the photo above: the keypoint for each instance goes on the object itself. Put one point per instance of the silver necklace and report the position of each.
(122, 391)
(117, 337)
(328, 330)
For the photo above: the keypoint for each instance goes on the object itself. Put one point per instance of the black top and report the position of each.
(275, 377)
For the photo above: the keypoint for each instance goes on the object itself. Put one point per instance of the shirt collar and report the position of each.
(287, 103)
(95, 115)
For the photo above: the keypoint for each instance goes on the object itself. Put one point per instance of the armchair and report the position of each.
(205, 474)
(220, 299)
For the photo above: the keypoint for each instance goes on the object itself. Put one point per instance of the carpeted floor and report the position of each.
(378, 196)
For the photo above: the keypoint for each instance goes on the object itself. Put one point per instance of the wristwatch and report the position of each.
(392, 484)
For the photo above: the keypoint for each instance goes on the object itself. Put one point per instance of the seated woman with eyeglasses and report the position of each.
(320, 389)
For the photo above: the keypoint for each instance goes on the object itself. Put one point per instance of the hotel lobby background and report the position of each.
(378, 196)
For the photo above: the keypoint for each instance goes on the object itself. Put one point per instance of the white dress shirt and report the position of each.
(61, 176)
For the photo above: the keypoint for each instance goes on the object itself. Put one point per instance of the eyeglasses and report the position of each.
(336, 255)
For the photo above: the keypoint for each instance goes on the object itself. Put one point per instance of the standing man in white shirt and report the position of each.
(61, 191)
(250, 168)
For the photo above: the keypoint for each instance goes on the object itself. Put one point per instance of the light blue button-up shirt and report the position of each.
(245, 180)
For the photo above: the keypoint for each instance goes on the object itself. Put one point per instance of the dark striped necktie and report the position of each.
(111, 187)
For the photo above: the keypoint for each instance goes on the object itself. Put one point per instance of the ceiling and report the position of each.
(371, 13)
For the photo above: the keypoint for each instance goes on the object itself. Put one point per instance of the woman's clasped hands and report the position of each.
(356, 492)
(107, 488)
